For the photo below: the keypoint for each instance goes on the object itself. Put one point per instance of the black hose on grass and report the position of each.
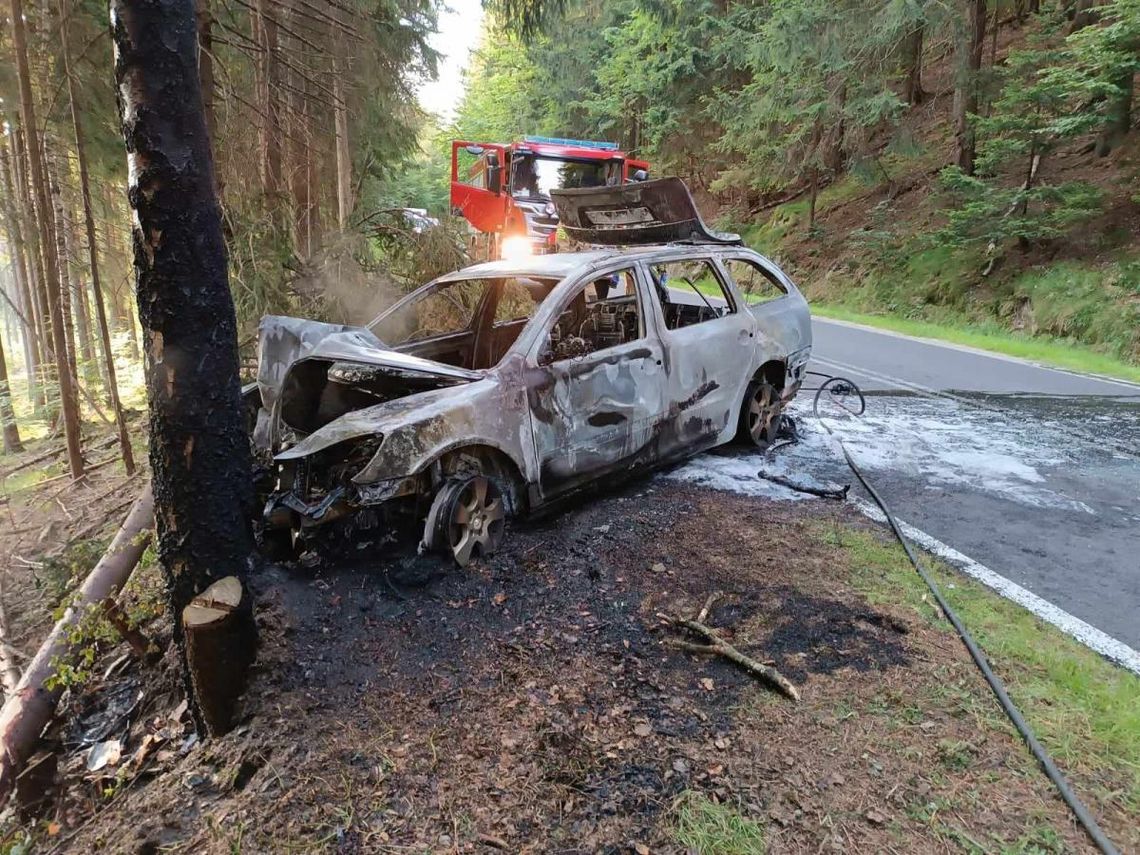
(839, 387)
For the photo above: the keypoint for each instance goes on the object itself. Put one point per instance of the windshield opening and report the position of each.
(468, 323)
(535, 177)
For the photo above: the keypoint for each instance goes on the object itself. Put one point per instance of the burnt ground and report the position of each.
(527, 703)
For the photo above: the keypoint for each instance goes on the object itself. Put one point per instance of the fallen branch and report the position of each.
(28, 710)
(717, 646)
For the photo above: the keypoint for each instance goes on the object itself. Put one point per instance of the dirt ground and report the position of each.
(528, 704)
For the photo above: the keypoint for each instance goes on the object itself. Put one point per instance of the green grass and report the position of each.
(991, 336)
(708, 828)
(1085, 710)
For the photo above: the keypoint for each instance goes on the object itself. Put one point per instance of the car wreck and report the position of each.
(500, 388)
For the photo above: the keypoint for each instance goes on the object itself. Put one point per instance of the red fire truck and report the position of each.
(505, 191)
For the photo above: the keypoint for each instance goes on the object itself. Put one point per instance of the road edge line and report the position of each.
(1094, 639)
(980, 351)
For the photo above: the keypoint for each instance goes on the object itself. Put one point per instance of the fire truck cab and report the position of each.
(504, 191)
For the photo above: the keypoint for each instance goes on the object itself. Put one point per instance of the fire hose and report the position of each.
(840, 388)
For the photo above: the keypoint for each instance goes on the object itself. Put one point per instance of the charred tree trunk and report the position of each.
(205, 20)
(93, 255)
(913, 92)
(966, 94)
(68, 401)
(199, 450)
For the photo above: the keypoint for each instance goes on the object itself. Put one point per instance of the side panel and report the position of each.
(598, 413)
(709, 365)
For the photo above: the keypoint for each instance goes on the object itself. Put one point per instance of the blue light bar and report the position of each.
(601, 146)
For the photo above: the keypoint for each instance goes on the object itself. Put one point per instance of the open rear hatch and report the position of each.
(646, 212)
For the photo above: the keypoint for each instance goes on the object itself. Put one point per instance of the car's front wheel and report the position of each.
(761, 414)
(467, 518)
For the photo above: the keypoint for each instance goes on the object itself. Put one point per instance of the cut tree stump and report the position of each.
(221, 640)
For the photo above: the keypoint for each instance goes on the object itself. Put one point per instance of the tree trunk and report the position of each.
(59, 230)
(966, 94)
(78, 295)
(12, 442)
(29, 709)
(205, 20)
(913, 92)
(1120, 116)
(199, 449)
(68, 401)
(344, 201)
(93, 254)
(271, 102)
(15, 232)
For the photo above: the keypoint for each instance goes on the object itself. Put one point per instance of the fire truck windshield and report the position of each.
(535, 177)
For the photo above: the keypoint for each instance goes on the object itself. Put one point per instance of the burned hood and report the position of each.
(285, 341)
(646, 212)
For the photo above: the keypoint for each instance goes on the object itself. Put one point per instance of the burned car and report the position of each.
(499, 388)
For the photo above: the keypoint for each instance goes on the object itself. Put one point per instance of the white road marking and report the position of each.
(977, 351)
(1088, 635)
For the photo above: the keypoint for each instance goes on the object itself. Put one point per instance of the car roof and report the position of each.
(562, 264)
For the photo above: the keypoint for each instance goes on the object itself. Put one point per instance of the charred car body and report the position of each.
(501, 387)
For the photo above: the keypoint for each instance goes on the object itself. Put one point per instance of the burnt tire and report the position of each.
(467, 518)
(761, 414)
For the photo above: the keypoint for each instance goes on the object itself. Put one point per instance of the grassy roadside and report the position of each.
(1086, 711)
(1055, 352)
(1083, 709)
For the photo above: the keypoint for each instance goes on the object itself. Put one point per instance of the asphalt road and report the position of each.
(1032, 471)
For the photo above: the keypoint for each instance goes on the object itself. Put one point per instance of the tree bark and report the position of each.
(199, 449)
(205, 20)
(220, 640)
(913, 92)
(92, 252)
(271, 125)
(966, 94)
(59, 229)
(68, 401)
(12, 443)
(1120, 116)
(15, 231)
(344, 201)
(29, 708)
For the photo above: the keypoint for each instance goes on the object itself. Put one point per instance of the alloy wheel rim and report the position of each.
(477, 519)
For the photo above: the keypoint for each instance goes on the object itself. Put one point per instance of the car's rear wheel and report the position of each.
(761, 415)
(467, 518)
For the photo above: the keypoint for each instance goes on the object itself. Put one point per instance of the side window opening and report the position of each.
(756, 283)
(604, 313)
(690, 292)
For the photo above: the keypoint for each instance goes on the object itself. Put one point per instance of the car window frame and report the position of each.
(768, 270)
(727, 287)
(536, 347)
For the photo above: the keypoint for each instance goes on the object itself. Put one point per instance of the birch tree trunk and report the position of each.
(199, 449)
